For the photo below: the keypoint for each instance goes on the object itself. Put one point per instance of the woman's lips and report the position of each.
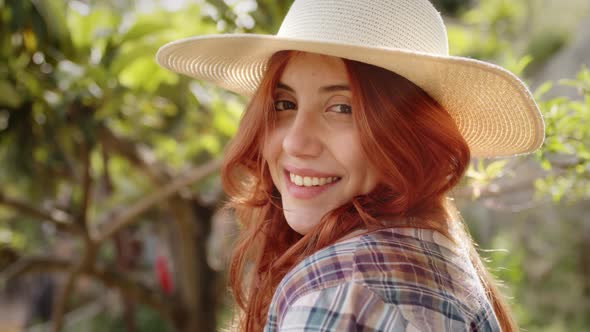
(307, 172)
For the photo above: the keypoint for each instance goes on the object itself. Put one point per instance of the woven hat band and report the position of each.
(405, 24)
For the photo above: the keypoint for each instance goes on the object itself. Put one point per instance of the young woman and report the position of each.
(359, 125)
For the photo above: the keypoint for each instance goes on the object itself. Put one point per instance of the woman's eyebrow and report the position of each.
(324, 89)
(335, 88)
(284, 86)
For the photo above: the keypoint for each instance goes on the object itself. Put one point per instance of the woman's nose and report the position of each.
(303, 137)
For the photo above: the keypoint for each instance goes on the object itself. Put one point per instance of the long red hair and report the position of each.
(414, 145)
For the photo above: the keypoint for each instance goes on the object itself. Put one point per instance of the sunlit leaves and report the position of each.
(460, 39)
(471, 43)
(146, 74)
(566, 151)
(226, 118)
(481, 174)
(486, 29)
(503, 17)
(490, 30)
(506, 32)
(144, 26)
(542, 90)
(238, 13)
(516, 65)
(581, 83)
(87, 28)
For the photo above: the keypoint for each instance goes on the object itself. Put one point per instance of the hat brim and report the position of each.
(493, 109)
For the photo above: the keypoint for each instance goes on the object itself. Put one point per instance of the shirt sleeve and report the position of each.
(354, 307)
(347, 307)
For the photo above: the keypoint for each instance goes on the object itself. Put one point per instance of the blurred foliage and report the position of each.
(146, 321)
(543, 258)
(78, 83)
(544, 263)
(544, 268)
(501, 31)
(512, 34)
(566, 151)
(72, 70)
(491, 27)
(67, 72)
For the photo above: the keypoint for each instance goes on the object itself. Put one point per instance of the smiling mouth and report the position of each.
(311, 181)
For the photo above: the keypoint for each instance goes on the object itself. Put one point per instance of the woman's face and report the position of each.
(314, 152)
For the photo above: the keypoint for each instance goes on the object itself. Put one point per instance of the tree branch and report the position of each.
(130, 215)
(59, 220)
(61, 300)
(136, 291)
(29, 265)
(141, 158)
(86, 187)
(128, 287)
(130, 150)
(108, 182)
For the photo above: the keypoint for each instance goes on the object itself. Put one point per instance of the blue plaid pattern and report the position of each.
(398, 279)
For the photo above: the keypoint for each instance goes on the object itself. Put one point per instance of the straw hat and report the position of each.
(493, 109)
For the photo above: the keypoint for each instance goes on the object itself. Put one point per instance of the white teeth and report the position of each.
(298, 180)
(309, 181)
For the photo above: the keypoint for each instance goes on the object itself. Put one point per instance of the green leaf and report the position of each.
(85, 29)
(9, 96)
(460, 40)
(543, 89)
(516, 65)
(131, 53)
(145, 74)
(225, 123)
(145, 26)
(53, 13)
(555, 145)
(210, 143)
(18, 11)
(495, 168)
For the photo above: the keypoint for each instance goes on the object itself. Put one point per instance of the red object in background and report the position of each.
(164, 275)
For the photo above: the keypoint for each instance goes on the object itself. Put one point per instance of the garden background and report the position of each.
(110, 164)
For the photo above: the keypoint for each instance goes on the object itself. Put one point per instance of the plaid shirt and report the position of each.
(399, 279)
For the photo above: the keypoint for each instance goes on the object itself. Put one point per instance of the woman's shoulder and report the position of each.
(411, 266)
(409, 255)
(412, 269)
(394, 254)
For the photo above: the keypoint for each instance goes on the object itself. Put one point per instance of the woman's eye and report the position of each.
(282, 105)
(342, 108)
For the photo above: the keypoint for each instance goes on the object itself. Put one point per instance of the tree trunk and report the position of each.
(196, 280)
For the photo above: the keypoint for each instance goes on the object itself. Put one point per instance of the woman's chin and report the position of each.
(300, 222)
